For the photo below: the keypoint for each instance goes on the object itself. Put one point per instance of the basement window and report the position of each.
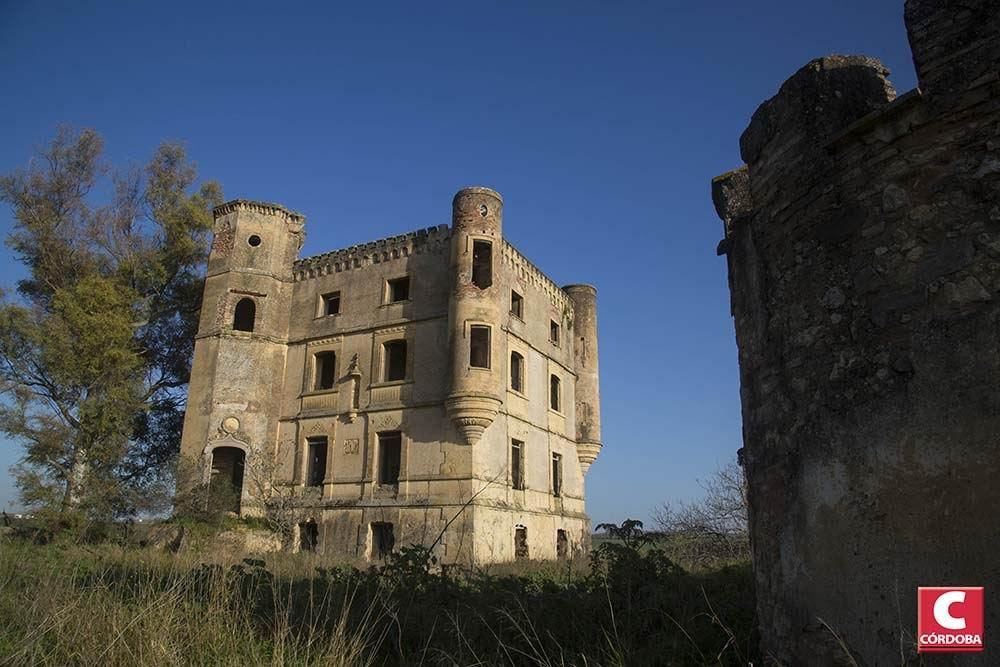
(331, 303)
(308, 536)
(479, 347)
(390, 445)
(562, 545)
(399, 290)
(394, 360)
(383, 539)
(482, 264)
(520, 543)
(326, 365)
(316, 460)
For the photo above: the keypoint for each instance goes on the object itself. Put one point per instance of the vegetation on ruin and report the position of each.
(115, 602)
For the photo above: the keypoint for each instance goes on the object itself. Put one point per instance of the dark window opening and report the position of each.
(482, 264)
(557, 475)
(254, 240)
(382, 539)
(244, 315)
(399, 290)
(390, 446)
(316, 469)
(516, 304)
(226, 482)
(479, 347)
(394, 360)
(516, 372)
(308, 536)
(520, 543)
(554, 332)
(562, 545)
(517, 464)
(326, 364)
(554, 393)
(331, 303)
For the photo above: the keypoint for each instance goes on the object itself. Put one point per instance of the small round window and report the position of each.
(254, 240)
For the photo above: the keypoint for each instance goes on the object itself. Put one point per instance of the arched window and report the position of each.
(554, 393)
(244, 315)
(516, 372)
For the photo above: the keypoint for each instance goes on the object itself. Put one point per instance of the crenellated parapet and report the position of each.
(428, 240)
(522, 268)
(259, 207)
(862, 240)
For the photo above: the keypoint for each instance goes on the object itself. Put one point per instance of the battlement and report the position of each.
(524, 269)
(264, 208)
(382, 250)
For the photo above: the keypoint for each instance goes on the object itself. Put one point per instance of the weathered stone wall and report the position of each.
(863, 246)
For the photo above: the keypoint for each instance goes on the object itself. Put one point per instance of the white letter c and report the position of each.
(942, 614)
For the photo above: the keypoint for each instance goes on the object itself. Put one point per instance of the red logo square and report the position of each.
(950, 619)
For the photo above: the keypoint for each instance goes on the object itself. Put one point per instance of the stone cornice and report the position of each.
(431, 239)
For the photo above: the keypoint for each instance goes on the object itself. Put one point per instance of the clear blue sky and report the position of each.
(601, 123)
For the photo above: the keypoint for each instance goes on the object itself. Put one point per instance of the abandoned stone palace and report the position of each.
(430, 388)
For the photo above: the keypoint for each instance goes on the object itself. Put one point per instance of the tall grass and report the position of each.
(104, 605)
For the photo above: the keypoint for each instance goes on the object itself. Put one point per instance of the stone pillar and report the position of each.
(588, 390)
(475, 396)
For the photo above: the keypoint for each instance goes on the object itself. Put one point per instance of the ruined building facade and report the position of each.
(863, 245)
(431, 388)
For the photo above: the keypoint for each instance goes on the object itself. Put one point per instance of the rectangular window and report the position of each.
(479, 347)
(520, 543)
(517, 464)
(482, 264)
(554, 390)
(316, 461)
(399, 289)
(516, 304)
(557, 475)
(516, 372)
(326, 364)
(562, 544)
(383, 539)
(390, 445)
(331, 303)
(394, 360)
(554, 332)
(308, 536)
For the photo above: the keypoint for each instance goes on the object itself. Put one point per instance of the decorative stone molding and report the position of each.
(587, 453)
(472, 414)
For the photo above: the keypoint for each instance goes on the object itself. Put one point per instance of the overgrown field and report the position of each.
(75, 604)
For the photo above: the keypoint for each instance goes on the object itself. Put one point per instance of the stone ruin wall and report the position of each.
(863, 246)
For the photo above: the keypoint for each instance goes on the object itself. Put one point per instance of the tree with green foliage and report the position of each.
(96, 340)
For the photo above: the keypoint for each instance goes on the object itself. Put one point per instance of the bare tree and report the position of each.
(712, 530)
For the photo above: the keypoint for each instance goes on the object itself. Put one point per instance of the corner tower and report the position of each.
(588, 391)
(474, 310)
(240, 347)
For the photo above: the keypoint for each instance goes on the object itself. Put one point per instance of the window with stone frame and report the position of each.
(394, 360)
(482, 264)
(317, 449)
(557, 477)
(325, 370)
(517, 372)
(516, 304)
(331, 303)
(479, 346)
(555, 390)
(554, 332)
(517, 464)
(398, 289)
(390, 450)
